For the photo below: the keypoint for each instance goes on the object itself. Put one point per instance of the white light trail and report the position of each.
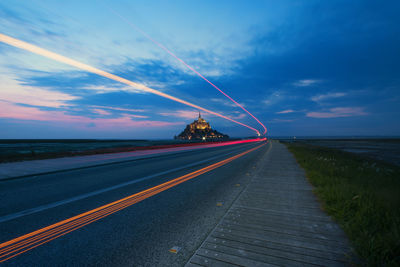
(57, 57)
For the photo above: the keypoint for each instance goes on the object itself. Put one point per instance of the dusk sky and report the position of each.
(303, 68)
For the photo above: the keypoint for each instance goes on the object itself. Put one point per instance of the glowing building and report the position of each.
(200, 130)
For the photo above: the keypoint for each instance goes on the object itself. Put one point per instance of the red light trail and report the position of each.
(63, 59)
(187, 65)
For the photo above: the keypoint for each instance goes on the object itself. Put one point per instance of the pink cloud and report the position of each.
(186, 114)
(100, 111)
(120, 109)
(11, 111)
(135, 116)
(238, 117)
(338, 113)
(17, 92)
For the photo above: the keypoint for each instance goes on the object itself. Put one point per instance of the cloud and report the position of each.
(101, 111)
(281, 120)
(119, 109)
(135, 116)
(306, 82)
(101, 89)
(11, 111)
(238, 117)
(225, 102)
(186, 114)
(285, 111)
(339, 112)
(322, 97)
(15, 91)
(274, 98)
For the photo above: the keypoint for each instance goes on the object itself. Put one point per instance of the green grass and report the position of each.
(362, 195)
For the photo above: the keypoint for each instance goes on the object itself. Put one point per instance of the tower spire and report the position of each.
(199, 115)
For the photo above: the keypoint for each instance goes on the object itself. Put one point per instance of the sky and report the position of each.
(303, 68)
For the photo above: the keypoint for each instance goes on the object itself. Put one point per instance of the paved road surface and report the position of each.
(139, 235)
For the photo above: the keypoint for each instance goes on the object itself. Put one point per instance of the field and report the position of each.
(18, 150)
(362, 194)
(381, 149)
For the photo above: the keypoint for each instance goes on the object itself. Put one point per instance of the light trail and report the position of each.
(47, 206)
(57, 57)
(187, 65)
(22, 244)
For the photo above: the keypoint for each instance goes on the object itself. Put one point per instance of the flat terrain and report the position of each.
(141, 234)
(387, 150)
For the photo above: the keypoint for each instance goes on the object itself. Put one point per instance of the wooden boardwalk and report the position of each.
(276, 220)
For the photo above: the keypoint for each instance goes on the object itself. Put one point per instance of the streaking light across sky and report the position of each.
(187, 65)
(57, 57)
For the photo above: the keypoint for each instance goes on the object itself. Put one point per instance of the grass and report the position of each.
(362, 195)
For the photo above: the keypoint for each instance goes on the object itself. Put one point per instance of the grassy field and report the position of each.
(362, 195)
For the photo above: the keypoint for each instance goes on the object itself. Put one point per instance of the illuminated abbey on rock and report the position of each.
(200, 130)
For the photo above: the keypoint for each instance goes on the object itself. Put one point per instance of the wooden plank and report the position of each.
(250, 255)
(282, 219)
(190, 264)
(278, 246)
(287, 239)
(291, 256)
(287, 230)
(206, 261)
(266, 210)
(231, 259)
(276, 220)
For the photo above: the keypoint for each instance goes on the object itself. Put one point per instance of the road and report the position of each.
(143, 231)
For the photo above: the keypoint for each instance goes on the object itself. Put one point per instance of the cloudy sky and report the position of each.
(315, 68)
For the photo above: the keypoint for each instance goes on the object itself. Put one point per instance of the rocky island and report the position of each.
(200, 129)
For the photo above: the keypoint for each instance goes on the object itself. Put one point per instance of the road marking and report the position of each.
(19, 214)
(39, 237)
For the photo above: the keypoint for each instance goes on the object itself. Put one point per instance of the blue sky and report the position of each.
(315, 68)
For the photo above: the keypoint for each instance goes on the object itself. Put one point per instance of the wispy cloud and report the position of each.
(224, 102)
(285, 111)
(238, 117)
(12, 111)
(101, 111)
(119, 109)
(100, 89)
(186, 114)
(15, 91)
(273, 98)
(135, 116)
(338, 113)
(306, 82)
(322, 97)
(281, 120)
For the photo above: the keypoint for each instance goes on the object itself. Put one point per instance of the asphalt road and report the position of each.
(139, 235)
